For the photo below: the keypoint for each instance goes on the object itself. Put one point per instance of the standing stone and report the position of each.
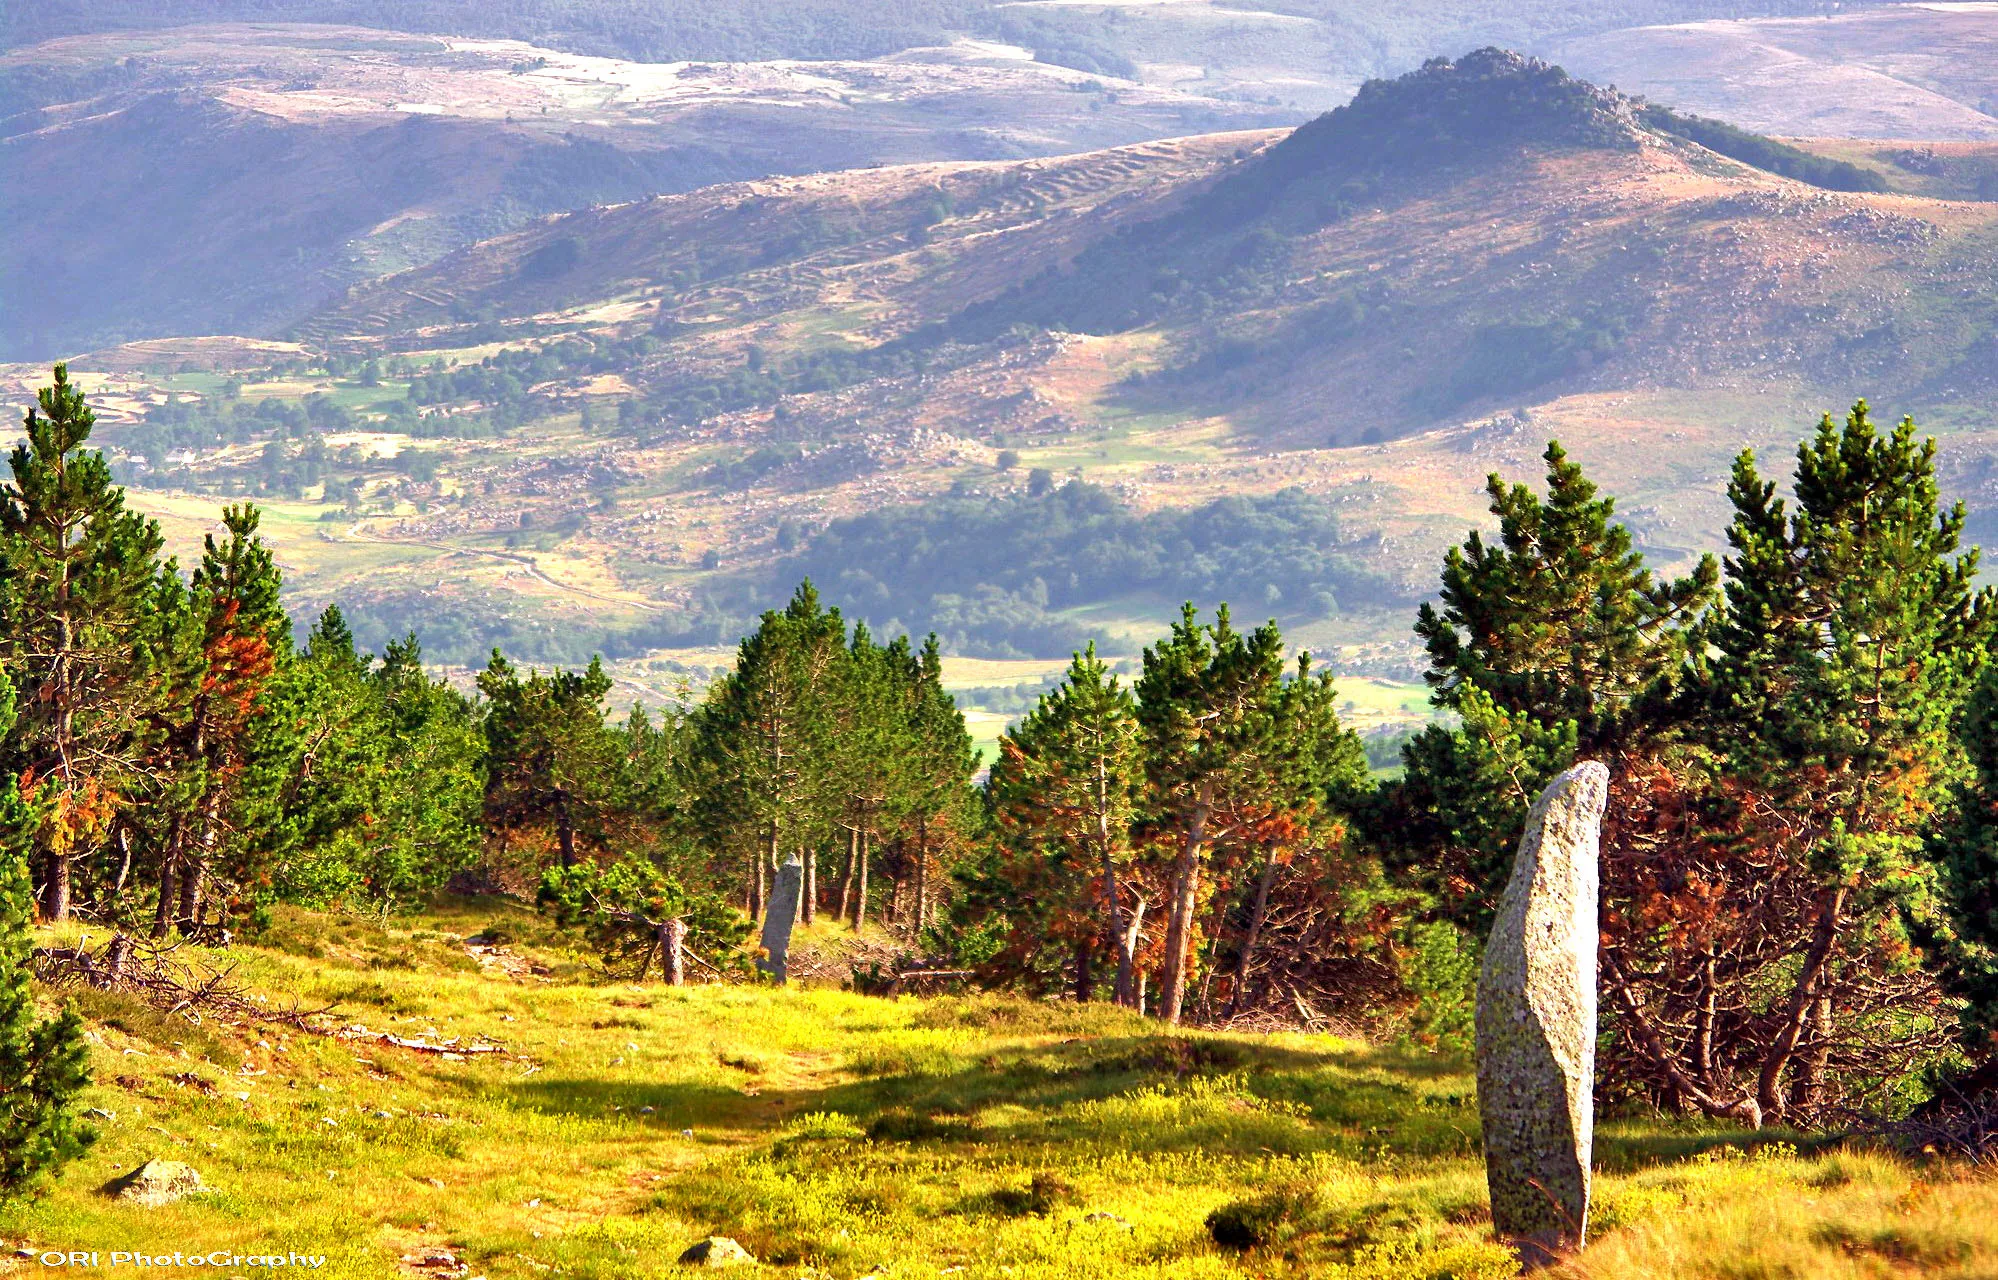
(1536, 1022)
(780, 915)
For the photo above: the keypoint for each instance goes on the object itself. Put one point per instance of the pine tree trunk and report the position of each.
(1257, 914)
(1085, 974)
(922, 873)
(55, 888)
(194, 870)
(846, 877)
(565, 827)
(1129, 952)
(169, 877)
(1122, 938)
(189, 912)
(1769, 1091)
(674, 940)
(860, 884)
(803, 913)
(1179, 927)
(124, 862)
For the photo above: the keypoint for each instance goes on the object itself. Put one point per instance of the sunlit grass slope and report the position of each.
(843, 1136)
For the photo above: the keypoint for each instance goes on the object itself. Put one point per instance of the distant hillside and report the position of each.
(1883, 71)
(748, 30)
(1460, 238)
(624, 427)
(656, 30)
(241, 175)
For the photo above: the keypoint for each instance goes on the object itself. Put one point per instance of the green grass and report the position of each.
(837, 1135)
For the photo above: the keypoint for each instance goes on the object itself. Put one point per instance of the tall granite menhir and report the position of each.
(1536, 1022)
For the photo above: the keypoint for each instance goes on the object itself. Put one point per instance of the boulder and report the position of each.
(717, 1251)
(780, 913)
(156, 1183)
(1536, 1022)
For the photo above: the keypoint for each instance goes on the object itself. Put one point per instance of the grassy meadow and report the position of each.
(840, 1135)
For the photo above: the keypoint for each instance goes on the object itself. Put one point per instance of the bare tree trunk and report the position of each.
(922, 873)
(860, 883)
(194, 869)
(1703, 1027)
(565, 827)
(753, 887)
(1121, 939)
(1139, 1002)
(1816, 1063)
(55, 888)
(1132, 932)
(124, 862)
(767, 865)
(846, 877)
(1185, 893)
(1085, 976)
(190, 896)
(808, 901)
(1769, 1090)
(1257, 914)
(673, 937)
(169, 877)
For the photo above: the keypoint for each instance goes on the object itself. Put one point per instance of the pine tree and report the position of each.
(549, 756)
(1064, 790)
(427, 796)
(366, 782)
(224, 638)
(1966, 853)
(1561, 620)
(937, 769)
(865, 760)
(76, 576)
(1553, 642)
(43, 1064)
(1761, 885)
(764, 735)
(1206, 713)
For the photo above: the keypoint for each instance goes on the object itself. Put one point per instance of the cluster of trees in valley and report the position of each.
(1798, 916)
(991, 575)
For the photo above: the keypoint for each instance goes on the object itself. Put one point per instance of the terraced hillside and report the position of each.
(241, 174)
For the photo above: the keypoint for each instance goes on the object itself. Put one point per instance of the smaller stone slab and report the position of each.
(779, 916)
(717, 1251)
(156, 1183)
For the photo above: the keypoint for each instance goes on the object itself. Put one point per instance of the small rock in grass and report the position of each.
(1110, 1218)
(156, 1183)
(717, 1251)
